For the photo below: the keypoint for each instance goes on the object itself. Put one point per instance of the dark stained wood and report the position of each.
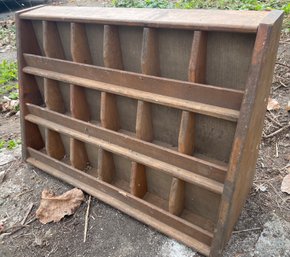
(79, 105)
(52, 95)
(249, 130)
(196, 73)
(144, 126)
(189, 91)
(178, 137)
(109, 112)
(28, 91)
(180, 229)
(183, 166)
(237, 21)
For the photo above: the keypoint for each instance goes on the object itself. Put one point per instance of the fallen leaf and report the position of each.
(285, 186)
(273, 104)
(54, 208)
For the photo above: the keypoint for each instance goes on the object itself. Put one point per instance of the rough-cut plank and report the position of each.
(193, 164)
(196, 73)
(189, 91)
(240, 21)
(28, 90)
(249, 130)
(144, 126)
(109, 112)
(206, 109)
(189, 234)
(52, 95)
(131, 148)
(79, 105)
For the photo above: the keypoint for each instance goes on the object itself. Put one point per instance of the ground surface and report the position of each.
(262, 230)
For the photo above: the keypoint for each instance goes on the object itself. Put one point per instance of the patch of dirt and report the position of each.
(112, 233)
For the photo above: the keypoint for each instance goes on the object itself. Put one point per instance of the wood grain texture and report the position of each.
(112, 55)
(188, 91)
(249, 130)
(144, 127)
(28, 89)
(79, 105)
(196, 73)
(166, 160)
(52, 95)
(240, 21)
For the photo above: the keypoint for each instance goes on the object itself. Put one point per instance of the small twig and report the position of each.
(283, 64)
(27, 213)
(24, 192)
(277, 150)
(87, 219)
(246, 230)
(17, 228)
(277, 131)
(273, 119)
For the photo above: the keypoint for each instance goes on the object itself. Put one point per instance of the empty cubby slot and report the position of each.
(174, 52)
(228, 59)
(92, 153)
(93, 98)
(126, 108)
(131, 46)
(38, 31)
(95, 35)
(166, 123)
(64, 30)
(158, 188)
(200, 206)
(122, 174)
(212, 134)
(64, 140)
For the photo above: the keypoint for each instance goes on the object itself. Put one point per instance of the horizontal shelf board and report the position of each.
(171, 225)
(182, 166)
(239, 21)
(208, 100)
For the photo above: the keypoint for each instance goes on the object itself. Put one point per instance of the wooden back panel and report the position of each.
(152, 111)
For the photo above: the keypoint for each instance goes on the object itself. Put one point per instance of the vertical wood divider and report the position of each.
(80, 108)
(196, 73)
(144, 127)
(28, 88)
(52, 95)
(109, 112)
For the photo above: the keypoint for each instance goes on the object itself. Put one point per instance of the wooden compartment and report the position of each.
(156, 112)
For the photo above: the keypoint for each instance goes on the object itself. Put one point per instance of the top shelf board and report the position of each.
(213, 20)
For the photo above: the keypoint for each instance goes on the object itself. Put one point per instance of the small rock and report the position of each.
(274, 241)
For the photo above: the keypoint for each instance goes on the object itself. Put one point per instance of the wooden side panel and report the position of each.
(28, 89)
(109, 112)
(196, 73)
(52, 95)
(79, 105)
(248, 135)
(144, 126)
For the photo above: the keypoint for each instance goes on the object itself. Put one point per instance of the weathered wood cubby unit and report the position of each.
(158, 113)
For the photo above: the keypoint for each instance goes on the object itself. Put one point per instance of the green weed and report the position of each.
(8, 72)
(207, 4)
(10, 144)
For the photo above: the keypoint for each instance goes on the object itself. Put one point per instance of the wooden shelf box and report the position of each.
(158, 113)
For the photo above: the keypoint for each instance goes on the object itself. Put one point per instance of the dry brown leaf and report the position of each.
(54, 208)
(285, 186)
(273, 104)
